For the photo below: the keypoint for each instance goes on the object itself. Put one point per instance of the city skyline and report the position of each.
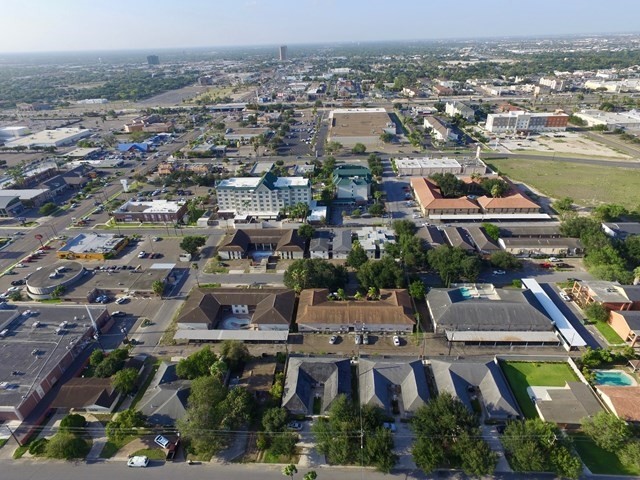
(70, 25)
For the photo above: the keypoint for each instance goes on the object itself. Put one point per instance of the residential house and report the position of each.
(284, 243)
(399, 387)
(319, 248)
(90, 394)
(432, 235)
(622, 401)
(485, 245)
(567, 406)
(312, 384)
(627, 325)
(621, 230)
(458, 237)
(165, 400)
(483, 381)
(392, 312)
(440, 130)
(611, 294)
(458, 108)
(374, 240)
(342, 244)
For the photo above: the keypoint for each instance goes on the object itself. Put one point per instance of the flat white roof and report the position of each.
(283, 182)
(50, 137)
(155, 206)
(356, 110)
(571, 336)
(426, 162)
(251, 335)
(240, 182)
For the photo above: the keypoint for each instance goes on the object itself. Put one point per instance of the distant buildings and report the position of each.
(611, 120)
(522, 122)
(262, 197)
(282, 53)
(458, 108)
(153, 60)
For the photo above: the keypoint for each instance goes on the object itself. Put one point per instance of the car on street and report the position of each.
(156, 239)
(396, 340)
(163, 441)
(333, 339)
(499, 272)
(118, 313)
(554, 259)
(138, 461)
(15, 283)
(121, 300)
(365, 339)
(297, 426)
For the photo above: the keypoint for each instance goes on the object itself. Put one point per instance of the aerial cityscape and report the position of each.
(281, 239)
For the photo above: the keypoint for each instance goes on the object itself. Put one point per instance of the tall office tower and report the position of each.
(153, 60)
(283, 53)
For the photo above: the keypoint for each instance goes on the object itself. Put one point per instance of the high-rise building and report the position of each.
(283, 53)
(153, 60)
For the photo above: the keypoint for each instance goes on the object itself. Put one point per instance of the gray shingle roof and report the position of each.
(307, 377)
(462, 378)
(380, 381)
(342, 242)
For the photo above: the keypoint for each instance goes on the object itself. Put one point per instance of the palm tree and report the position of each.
(310, 475)
(341, 294)
(358, 296)
(372, 293)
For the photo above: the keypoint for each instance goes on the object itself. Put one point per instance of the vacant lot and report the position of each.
(574, 144)
(600, 461)
(588, 185)
(521, 375)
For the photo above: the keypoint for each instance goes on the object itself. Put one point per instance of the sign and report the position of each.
(38, 236)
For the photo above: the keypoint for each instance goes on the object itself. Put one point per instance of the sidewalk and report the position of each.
(98, 435)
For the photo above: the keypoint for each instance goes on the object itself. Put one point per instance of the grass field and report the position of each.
(609, 333)
(600, 461)
(588, 185)
(521, 375)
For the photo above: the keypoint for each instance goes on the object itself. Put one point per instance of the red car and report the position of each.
(546, 265)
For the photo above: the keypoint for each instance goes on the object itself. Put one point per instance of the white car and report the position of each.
(142, 254)
(164, 442)
(121, 300)
(554, 259)
(499, 272)
(565, 297)
(138, 461)
(333, 339)
(396, 340)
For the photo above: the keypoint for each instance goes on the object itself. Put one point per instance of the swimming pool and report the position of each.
(235, 323)
(614, 378)
(466, 292)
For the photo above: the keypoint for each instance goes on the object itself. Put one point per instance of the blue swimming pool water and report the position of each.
(614, 378)
(465, 292)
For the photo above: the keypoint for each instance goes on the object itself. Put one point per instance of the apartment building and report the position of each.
(263, 197)
(521, 121)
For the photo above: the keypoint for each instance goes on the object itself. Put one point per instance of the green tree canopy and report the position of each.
(505, 260)
(359, 148)
(384, 273)
(454, 263)
(306, 231)
(607, 431)
(192, 243)
(357, 256)
(234, 352)
(493, 231)
(314, 273)
(563, 205)
(197, 364)
(417, 290)
(124, 381)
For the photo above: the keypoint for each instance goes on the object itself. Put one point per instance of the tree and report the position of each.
(47, 209)
(386, 137)
(357, 256)
(124, 381)
(342, 295)
(476, 457)
(236, 408)
(274, 420)
(289, 470)
(310, 475)
(453, 263)
(58, 291)
(306, 231)
(427, 454)
(450, 185)
(234, 352)
(378, 450)
(197, 364)
(493, 231)
(505, 260)
(607, 431)
(609, 212)
(314, 273)
(74, 423)
(66, 445)
(284, 443)
(124, 424)
(359, 149)
(191, 244)
(96, 357)
(417, 290)
(111, 364)
(385, 273)
(563, 205)
(376, 209)
(596, 312)
(356, 213)
(629, 454)
(158, 287)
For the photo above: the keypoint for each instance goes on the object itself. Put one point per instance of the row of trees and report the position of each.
(452, 187)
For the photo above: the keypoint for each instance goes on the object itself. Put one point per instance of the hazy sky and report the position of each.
(62, 25)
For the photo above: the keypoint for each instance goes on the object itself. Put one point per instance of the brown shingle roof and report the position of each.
(513, 200)
(625, 401)
(80, 393)
(429, 196)
(286, 239)
(394, 306)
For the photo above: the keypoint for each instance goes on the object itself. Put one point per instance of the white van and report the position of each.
(138, 461)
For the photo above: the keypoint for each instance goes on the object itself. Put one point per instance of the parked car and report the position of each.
(18, 282)
(499, 272)
(333, 339)
(118, 313)
(358, 339)
(164, 442)
(554, 259)
(365, 339)
(297, 426)
(138, 461)
(396, 340)
(565, 297)
(389, 426)
(121, 300)
(142, 254)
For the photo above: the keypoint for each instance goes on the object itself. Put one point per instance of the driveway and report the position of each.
(403, 439)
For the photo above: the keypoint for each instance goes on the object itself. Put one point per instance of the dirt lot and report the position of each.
(564, 142)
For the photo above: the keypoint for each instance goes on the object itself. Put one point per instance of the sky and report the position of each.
(85, 25)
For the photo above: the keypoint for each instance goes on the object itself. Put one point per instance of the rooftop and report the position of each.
(359, 122)
(154, 206)
(92, 243)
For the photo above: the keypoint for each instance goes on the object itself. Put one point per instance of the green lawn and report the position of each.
(601, 461)
(112, 446)
(152, 453)
(588, 185)
(521, 375)
(609, 333)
